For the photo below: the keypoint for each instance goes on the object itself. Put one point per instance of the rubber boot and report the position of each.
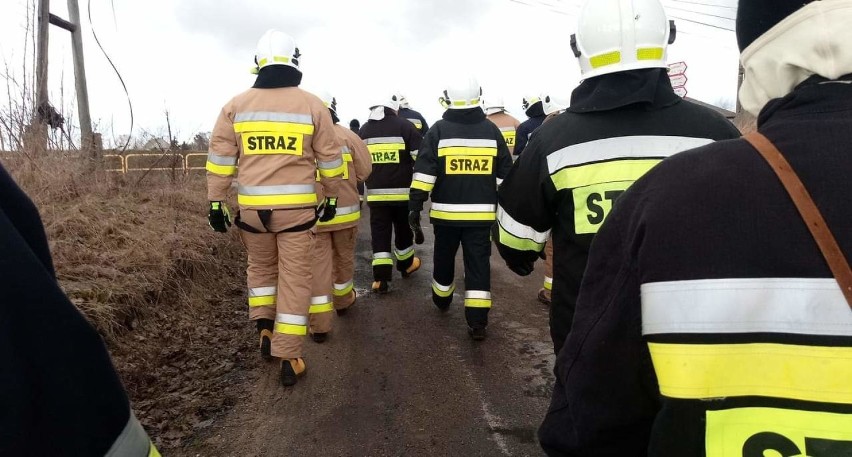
(264, 328)
(380, 287)
(342, 312)
(415, 265)
(291, 370)
(477, 333)
(319, 337)
(544, 296)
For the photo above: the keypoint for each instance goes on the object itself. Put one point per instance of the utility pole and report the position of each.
(87, 139)
(38, 131)
(740, 76)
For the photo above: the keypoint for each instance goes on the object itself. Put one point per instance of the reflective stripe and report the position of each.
(466, 143)
(262, 296)
(477, 299)
(414, 154)
(221, 160)
(331, 164)
(809, 306)
(425, 178)
(385, 140)
(291, 324)
(269, 116)
(419, 185)
(423, 182)
(292, 319)
(382, 258)
(320, 300)
(467, 151)
(321, 304)
(706, 371)
(603, 60)
(291, 194)
(442, 291)
(387, 195)
(287, 189)
(404, 254)
(343, 215)
(649, 54)
(464, 208)
(342, 290)
(448, 216)
(548, 283)
(519, 236)
(262, 291)
(282, 59)
(499, 181)
(507, 129)
(624, 147)
(224, 170)
(132, 441)
(610, 176)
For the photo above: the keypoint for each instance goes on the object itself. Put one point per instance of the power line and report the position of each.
(702, 23)
(706, 4)
(702, 14)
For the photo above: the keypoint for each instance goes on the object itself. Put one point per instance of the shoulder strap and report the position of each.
(808, 210)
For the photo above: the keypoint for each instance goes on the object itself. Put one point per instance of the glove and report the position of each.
(521, 268)
(219, 217)
(328, 209)
(414, 223)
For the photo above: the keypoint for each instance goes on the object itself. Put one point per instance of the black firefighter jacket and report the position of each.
(393, 143)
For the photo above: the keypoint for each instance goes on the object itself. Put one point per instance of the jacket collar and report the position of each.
(464, 116)
(275, 76)
(815, 95)
(650, 87)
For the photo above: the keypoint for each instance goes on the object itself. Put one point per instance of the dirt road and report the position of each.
(397, 377)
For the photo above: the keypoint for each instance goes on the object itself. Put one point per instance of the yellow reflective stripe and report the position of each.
(280, 59)
(477, 303)
(809, 373)
(345, 291)
(385, 147)
(548, 283)
(291, 329)
(274, 200)
(466, 151)
(401, 256)
(443, 293)
(377, 262)
(271, 126)
(813, 433)
(332, 172)
(224, 170)
(153, 452)
(514, 242)
(462, 216)
(603, 60)
(324, 308)
(424, 186)
(595, 173)
(264, 300)
(387, 198)
(342, 219)
(649, 54)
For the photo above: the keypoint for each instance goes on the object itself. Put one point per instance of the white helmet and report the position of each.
(276, 48)
(391, 102)
(328, 100)
(494, 104)
(530, 100)
(463, 93)
(403, 102)
(619, 35)
(555, 101)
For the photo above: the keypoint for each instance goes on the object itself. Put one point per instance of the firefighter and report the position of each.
(393, 143)
(414, 117)
(495, 112)
(535, 113)
(624, 118)
(554, 103)
(709, 322)
(462, 160)
(334, 248)
(59, 392)
(281, 137)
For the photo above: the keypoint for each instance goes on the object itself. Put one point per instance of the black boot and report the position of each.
(264, 328)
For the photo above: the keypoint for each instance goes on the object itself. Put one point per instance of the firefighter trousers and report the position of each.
(476, 252)
(548, 267)
(279, 285)
(388, 222)
(333, 276)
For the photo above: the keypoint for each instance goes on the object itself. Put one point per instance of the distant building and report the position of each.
(156, 144)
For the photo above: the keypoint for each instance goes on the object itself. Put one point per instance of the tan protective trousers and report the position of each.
(548, 267)
(279, 283)
(333, 276)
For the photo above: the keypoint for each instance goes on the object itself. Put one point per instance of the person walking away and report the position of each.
(406, 112)
(535, 117)
(462, 160)
(334, 249)
(624, 119)
(495, 111)
(280, 136)
(711, 322)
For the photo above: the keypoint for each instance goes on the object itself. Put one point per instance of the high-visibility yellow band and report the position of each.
(264, 300)
(345, 291)
(603, 60)
(404, 256)
(809, 373)
(617, 170)
(332, 172)
(388, 198)
(466, 151)
(291, 329)
(477, 303)
(275, 200)
(649, 54)
(424, 186)
(462, 216)
(443, 293)
(281, 59)
(377, 262)
(548, 283)
(224, 170)
(153, 452)
(324, 308)
(520, 244)
(385, 147)
(342, 219)
(271, 126)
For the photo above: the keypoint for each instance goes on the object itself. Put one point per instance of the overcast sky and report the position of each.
(191, 56)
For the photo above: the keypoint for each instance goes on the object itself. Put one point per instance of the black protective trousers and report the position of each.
(476, 252)
(386, 223)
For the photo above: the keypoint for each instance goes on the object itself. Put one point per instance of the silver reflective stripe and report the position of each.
(499, 181)
(342, 211)
(262, 291)
(404, 251)
(424, 178)
(414, 120)
(382, 255)
(292, 319)
(345, 150)
(462, 208)
(321, 300)
(385, 139)
(623, 147)
(221, 160)
(812, 306)
(520, 230)
(132, 442)
(507, 129)
(274, 117)
(548, 280)
(467, 143)
(478, 294)
(331, 164)
(343, 286)
(402, 191)
(438, 286)
(287, 189)
(414, 153)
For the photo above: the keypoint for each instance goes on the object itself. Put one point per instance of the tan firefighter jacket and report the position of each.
(507, 125)
(280, 139)
(358, 163)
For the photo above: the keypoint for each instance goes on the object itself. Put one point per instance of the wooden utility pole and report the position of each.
(87, 139)
(38, 131)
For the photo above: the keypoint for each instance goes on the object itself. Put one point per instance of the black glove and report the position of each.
(219, 217)
(520, 268)
(328, 209)
(414, 223)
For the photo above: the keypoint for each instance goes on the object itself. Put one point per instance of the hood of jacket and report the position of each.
(276, 76)
(464, 116)
(650, 86)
